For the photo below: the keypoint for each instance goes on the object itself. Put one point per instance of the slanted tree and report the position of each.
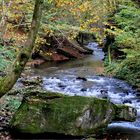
(7, 82)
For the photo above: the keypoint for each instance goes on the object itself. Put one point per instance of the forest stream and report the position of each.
(84, 77)
(57, 82)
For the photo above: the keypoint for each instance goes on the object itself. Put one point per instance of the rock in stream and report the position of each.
(69, 115)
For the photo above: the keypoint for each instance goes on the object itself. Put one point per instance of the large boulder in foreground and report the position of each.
(76, 116)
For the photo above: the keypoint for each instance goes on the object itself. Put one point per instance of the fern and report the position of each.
(7, 54)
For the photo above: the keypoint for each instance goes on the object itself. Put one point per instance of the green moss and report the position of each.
(69, 115)
(123, 112)
(17, 68)
(63, 115)
(129, 71)
(7, 55)
(35, 120)
(127, 19)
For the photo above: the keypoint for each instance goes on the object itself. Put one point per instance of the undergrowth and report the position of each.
(127, 18)
(7, 55)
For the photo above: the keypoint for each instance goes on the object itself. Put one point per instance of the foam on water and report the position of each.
(128, 125)
(99, 80)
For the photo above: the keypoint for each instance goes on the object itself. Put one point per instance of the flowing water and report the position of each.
(81, 77)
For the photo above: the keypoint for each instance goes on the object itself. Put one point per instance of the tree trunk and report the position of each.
(17, 67)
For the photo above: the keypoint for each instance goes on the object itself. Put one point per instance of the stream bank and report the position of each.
(122, 46)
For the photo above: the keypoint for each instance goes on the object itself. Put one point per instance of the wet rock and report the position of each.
(77, 116)
(81, 78)
(59, 57)
(35, 80)
(126, 92)
(61, 85)
(2, 74)
(138, 94)
(122, 95)
(127, 101)
(83, 89)
(104, 94)
(4, 135)
(125, 113)
(69, 52)
(35, 63)
(138, 90)
(138, 100)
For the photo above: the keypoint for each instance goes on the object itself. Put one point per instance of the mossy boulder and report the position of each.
(76, 116)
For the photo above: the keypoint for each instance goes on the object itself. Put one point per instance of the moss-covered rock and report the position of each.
(77, 116)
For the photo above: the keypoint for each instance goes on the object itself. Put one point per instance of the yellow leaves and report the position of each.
(50, 1)
(71, 3)
(87, 23)
(83, 14)
(84, 6)
(49, 54)
(99, 40)
(94, 29)
(82, 27)
(77, 8)
(64, 15)
(58, 3)
(47, 31)
(40, 40)
(53, 19)
(64, 3)
(73, 12)
(46, 53)
(111, 29)
(72, 35)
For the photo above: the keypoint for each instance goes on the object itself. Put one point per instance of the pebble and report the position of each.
(127, 101)
(83, 89)
(81, 78)
(4, 135)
